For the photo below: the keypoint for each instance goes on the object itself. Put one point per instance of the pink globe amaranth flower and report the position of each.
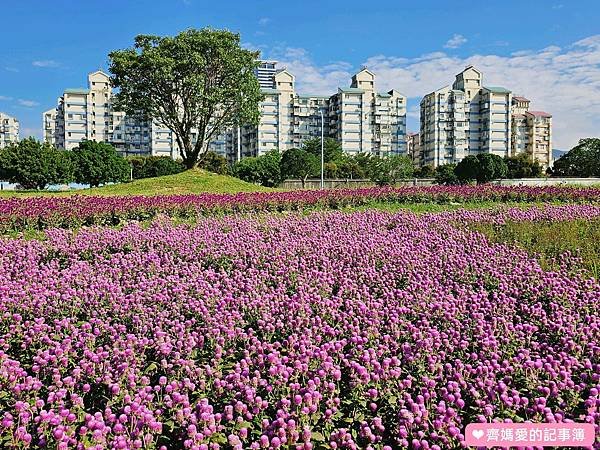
(444, 326)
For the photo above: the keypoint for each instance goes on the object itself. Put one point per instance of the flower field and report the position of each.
(363, 330)
(38, 213)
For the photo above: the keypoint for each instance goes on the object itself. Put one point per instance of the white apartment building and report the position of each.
(413, 147)
(531, 132)
(468, 118)
(265, 72)
(9, 130)
(358, 117)
(275, 129)
(88, 114)
(361, 119)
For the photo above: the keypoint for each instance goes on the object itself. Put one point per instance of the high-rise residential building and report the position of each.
(366, 121)
(413, 148)
(265, 72)
(468, 118)
(274, 130)
(9, 130)
(87, 113)
(54, 126)
(531, 132)
(359, 117)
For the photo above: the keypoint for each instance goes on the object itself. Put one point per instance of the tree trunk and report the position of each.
(188, 152)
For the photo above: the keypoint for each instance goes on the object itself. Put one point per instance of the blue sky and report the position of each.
(548, 51)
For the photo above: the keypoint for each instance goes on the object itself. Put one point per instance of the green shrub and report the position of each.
(264, 169)
(99, 163)
(35, 165)
(483, 168)
(154, 166)
(390, 169)
(216, 163)
(523, 166)
(445, 175)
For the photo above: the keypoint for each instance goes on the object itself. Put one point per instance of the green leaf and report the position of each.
(151, 368)
(316, 436)
(218, 438)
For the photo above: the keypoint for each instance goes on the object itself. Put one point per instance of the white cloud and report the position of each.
(5, 98)
(562, 81)
(11, 69)
(311, 78)
(27, 132)
(45, 63)
(559, 6)
(253, 47)
(263, 21)
(27, 103)
(455, 41)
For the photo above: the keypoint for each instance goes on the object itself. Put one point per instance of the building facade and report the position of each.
(9, 130)
(468, 118)
(359, 117)
(531, 132)
(265, 73)
(87, 113)
(413, 147)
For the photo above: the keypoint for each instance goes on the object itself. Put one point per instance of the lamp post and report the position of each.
(239, 144)
(322, 153)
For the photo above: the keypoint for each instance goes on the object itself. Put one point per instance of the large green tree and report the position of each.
(99, 163)
(390, 169)
(352, 166)
(583, 160)
(483, 168)
(332, 149)
(299, 163)
(523, 166)
(35, 165)
(467, 169)
(425, 171)
(264, 169)
(491, 167)
(200, 81)
(445, 175)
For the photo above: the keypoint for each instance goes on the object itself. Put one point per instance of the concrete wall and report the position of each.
(349, 184)
(548, 182)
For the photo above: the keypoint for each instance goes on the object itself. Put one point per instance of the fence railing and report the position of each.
(343, 183)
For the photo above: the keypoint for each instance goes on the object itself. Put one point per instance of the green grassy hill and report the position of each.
(194, 181)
